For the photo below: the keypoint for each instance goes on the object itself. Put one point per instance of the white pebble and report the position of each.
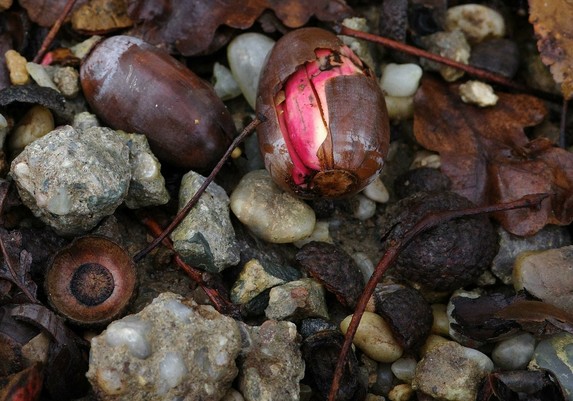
(483, 361)
(515, 352)
(320, 233)
(224, 84)
(110, 381)
(478, 93)
(377, 191)
(401, 80)
(425, 158)
(182, 312)
(477, 22)
(404, 369)
(172, 369)
(364, 264)
(131, 332)
(399, 108)
(364, 208)
(40, 75)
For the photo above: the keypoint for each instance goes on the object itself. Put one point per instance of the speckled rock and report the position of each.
(147, 185)
(269, 212)
(85, 120)
(206, 238)
(547, 275)
(451, 372)
(256, 277)
(478, 93)
(555, 354)
(172, 349)
(71, 180)
(271, 365)
(511, 245)
(297, 300)
(452, 45)
(67, 79)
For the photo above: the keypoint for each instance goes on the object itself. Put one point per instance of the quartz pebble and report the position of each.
(363, 208)
(320, 233)
(452, 45)
(172, 349)
(451, 372)
(478, 93)
(205, 238)
(365, 264)
(247, 54)
(269, 212)
(147, 185)
(510, 246)
(477, 22)
(374, 338)
(399, 108)
(71, 179)
(36, 123)
(271, 366)
(40, 75)
(67, 79)
(297, 300)
(401, 80)
(404, 369)
(17, 66)
(223, 82)
(554, 354)
(377, 191)
(425, 158)
(547, 275)
(514, 353)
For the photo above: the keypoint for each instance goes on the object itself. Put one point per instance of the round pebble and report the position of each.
(425, 158)
(477, 22)
(377, 191)
(36, 123)
(320, 233)
(401, 80)
(515, 352)
(401, 392)
(17, 66)
(269, 212)
(478, 93)
(67, 79)
(404, 369)
(374, 338)
(364, 264)
(363, 207)
(452, 45)
(399, 108)
(441, 324)
(224, 84)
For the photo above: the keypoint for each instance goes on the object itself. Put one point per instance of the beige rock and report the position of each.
(17, 66)
(477, 22)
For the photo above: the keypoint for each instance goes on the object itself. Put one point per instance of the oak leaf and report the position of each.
(488, 157)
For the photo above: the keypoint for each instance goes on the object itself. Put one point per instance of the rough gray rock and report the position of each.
(297, 300)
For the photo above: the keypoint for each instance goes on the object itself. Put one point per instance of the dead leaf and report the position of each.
(189, 26)
(46, 12)
(16, 263)
(488, 157)
(551, 21)
(101, 16)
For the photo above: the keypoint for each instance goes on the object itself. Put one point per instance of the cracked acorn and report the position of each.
(327, 131)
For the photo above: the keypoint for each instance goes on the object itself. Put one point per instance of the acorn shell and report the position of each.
(136, 87)
(355, 150)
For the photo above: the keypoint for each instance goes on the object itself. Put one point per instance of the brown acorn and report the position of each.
(326, 132)
(136, 87)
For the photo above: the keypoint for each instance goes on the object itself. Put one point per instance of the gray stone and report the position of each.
(172, 349)
(85, 120)
(71, 179)
(223, 82)
(297, 300)
(510, 246)
(547, 275)
(67, 79)
(514, 353)
(556, 355)
(205, 238)
(452, 45)
(269, 212)
(147, 185)
(271, 365)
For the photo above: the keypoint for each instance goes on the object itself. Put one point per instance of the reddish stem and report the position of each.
(219, 301)
(430, 220)
(471, 70)
(54, 31)
(187, 208)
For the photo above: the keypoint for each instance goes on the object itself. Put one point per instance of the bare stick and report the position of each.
(54, 31)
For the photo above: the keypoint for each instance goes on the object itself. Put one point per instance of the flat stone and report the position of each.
(556, 355)
(297, 300)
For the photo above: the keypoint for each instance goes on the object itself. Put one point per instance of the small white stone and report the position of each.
(425, 158)
(478, 93)
(172, 369)
(404, 369)
(40, 75)
(110, 381)
(364, 264)
(131, 332)
(182, 312)
(364, 208)
(377, 191)
(320, 233)
(399, 108)
(477, 22)
(401, 80)
(483, 361)
(223, 82)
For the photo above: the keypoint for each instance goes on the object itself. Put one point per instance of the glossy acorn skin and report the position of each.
(136, 87)
(353, 153)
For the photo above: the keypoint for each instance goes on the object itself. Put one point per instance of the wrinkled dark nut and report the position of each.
(449, 256)
(334, 268)
(407, 313)
(420, 179)
(136, 87)
(92, 281)
(326, 132)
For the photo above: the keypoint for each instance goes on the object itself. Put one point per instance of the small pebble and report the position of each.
(40, 75)
(399, 108)
(401, 80)
(432, 341)
(404, 369)
(253, 280)
(452, 45)
(81, 49)
(247, 54)
(232, 395)
(477, 22)
(374, 337)
(547, 275)
(377, 191)
(67, 79)
(515, 352)
(320, 233)
(36, 123)
(441, 324)
(478, 93)
(17, 66)
(364, 264)
(401, 392)
(269, 212)
(297, 300)
(224, 84)
(500, 56)
(85, 120)
(425, 158)
(363, 207)
(385, 379)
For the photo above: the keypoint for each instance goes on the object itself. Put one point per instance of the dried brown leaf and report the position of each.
(551, 21)
(46, 12)
(16, 263)
(488, 157)
(189, 26)
(101, 16)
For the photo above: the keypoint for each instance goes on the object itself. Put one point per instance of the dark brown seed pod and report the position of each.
(91, 281)
(326, 132)
(137, 87)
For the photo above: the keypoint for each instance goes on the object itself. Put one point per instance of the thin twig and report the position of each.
(428, 221)
(470, 70)
(187, 208)
(54, 31)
